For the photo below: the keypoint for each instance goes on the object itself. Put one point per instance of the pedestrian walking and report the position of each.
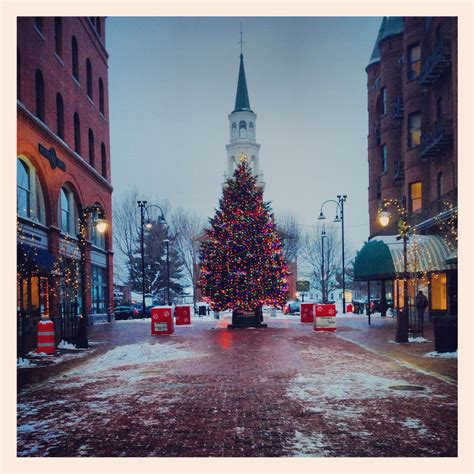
(421, 303)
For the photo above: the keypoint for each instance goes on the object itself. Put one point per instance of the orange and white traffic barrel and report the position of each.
(46, 341)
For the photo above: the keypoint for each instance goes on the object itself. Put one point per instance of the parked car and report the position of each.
(376, 305)
(291, 307)
(123, 312)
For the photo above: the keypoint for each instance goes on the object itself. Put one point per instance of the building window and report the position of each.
(439, 184)
(58, 35)
(383, 101)
(75, 58)
(23, 189)
(415, 196)
(103, 160)
(438, 292)
(91, 148)
(39, 85)
(30, 202)
(414, 61)
(89, 78)
(59, 116)
(97, 238)
(39, 24)
(242, 129)
(77, 134)
(414, 130)
(99, 290)
(383, 159)
(67, 211)
(101, 96)
(18, 75)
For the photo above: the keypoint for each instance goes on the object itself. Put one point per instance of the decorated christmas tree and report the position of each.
(242, 266)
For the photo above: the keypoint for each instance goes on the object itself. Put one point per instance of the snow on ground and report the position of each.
(21, 362)
(418, 339)
(36, 359)
(313, 445)
(415, 425)
(443, 355)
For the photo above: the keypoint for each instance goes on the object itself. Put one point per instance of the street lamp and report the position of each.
(323, 286)
(99, 222)
(167, 243)
(341, 199)
(161, 220)
(403, 228)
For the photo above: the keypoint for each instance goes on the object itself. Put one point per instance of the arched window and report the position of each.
(98, 25)
(30, 202)
(251, 129)
(59, 116)
(23, 189)
(97, 238)
(39, 85)
(103, 160)
(18, 75)
(77, 134)
(89, 78)
(242, 129)
(101, 96)
(58, 35)
(91, 148)
(75, 58)
(67, 211)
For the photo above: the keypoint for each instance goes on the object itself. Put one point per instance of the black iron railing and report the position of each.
(437, 137)
(434, 65)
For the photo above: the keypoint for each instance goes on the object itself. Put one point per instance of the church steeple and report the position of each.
(242, 102)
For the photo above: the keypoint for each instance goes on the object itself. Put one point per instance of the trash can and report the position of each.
(182, 314)
(162, 321)
(202, 310)
(446, 333)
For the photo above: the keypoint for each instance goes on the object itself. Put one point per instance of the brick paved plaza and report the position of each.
(209, 391)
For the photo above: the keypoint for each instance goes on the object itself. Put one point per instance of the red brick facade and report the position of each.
(46, 45)
(433, 94)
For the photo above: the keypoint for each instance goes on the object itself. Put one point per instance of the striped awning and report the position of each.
(382, 257)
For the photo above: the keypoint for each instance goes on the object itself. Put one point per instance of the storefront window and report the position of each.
(99, 290)
(438, 291)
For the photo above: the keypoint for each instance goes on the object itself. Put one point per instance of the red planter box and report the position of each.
(162, 320)
(325, 317)
(183, 315)
(307, 312)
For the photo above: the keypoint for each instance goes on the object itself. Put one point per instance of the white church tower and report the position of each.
(242, 128)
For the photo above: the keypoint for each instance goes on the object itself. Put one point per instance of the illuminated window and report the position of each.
(414, 61)
(438, 292)
(415, 196)
(414, 129)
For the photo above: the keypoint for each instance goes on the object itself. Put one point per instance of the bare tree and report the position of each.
(290, 235)
(324, 279)
(187, 227)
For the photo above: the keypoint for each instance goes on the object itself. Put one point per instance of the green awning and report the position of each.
(382, 257)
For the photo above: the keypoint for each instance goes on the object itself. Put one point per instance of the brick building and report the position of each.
(412, 155)
(63, 173)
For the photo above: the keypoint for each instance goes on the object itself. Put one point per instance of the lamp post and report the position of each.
(341, 199)
(403, 228)
(98, 220)
(323, 286)
(167, 243)
(144, 210)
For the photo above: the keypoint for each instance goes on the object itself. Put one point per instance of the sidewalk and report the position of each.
(379, 337)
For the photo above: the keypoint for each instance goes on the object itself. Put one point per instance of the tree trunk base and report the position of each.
(247, 320)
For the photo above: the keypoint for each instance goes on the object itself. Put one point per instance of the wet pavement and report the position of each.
(209, 391)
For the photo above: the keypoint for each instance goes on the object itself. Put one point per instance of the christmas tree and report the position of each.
(242, 266)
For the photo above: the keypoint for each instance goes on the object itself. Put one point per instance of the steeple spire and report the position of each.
(242, 101)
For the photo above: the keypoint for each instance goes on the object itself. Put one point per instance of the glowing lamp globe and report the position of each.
(384, 218)
(101, 226)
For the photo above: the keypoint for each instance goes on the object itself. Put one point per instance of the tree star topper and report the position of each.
(243, 158)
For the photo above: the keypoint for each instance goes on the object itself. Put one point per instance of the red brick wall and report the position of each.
(37, 51)
(417, 97)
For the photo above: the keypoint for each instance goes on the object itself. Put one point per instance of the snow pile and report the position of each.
(418, 339)
(21, 362)
(443, 355)
(133, 354)
(69, 346)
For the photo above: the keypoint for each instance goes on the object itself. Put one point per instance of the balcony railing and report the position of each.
(435, 65)
(398, 107)
(434, 208)
(437, 137)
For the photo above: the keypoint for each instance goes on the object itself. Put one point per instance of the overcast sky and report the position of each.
(172, 84)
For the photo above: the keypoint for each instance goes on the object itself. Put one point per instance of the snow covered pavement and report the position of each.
(209, 391)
